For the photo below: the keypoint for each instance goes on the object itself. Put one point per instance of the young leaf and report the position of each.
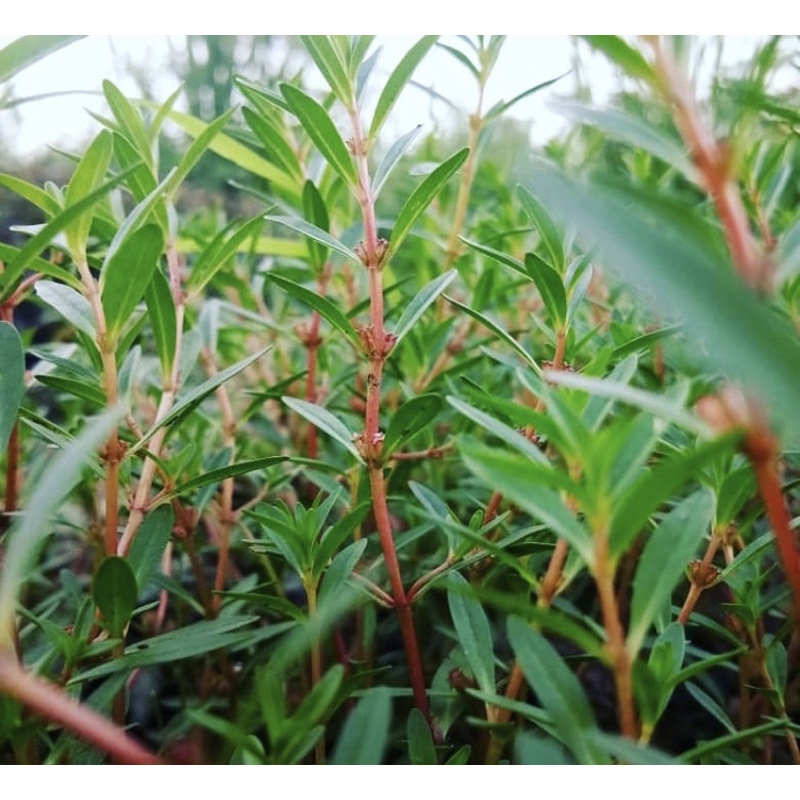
(551, 238)
(409, 419)
(498, 330)
(12, 380)
(391, 159)
(148, 547)
(333, 69)
(473, 631)
(74, 307)
(130, 122)
(416, 308)
(558, 689)
(421, 749)
(85, 180)
(325, 307)
(317, 234)
(326, 422)
(114, 591)
(316, 213)
(321, 130)
(365, 733)
(163, 320)
(421, 198)
(666, 555)
(396, 82)
(550, 286)
(127, 274)
(27, 50)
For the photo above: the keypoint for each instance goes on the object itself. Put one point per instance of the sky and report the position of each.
(524, 61)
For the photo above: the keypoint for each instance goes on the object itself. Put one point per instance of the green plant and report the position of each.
(401, 468)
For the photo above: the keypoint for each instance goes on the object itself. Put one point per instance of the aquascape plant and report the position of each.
(446, 454)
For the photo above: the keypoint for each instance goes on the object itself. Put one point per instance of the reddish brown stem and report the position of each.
(54, 704)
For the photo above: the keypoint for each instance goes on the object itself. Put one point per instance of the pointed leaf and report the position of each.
(500, 108)
(130, 121)
(421, 198)
(416, 308)
(27, 50)
(148, 547)
(409, 419)
(12, 380)
(337, 574)
(229, 471)
(163, 320)
(507, 260)
(317, 234)
(316, 213)
(666, 555)
(326, 422)
(72, 305)
(127, 274)
(550, 236)
(321, 130)
(332, 67)
(396, 82)
(473, 631)
(550, 287)
(365, 733)
(33, 194)
(325, 307)
(391, 159)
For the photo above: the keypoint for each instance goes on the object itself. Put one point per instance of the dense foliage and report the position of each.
(447, 452)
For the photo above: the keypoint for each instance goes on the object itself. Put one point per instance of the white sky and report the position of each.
(524, 62)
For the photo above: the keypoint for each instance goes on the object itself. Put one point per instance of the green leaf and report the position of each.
(666, 555)
(421, 749)
(187, 402)
(679, 267)
(391, 159)
(90, 392)
(332, 67)
(502, 107)
(12, 380)
(416, 308)
(72, 305)
(503, 432)
(163, 320)
(30, 529)
(635, 130)
(365, 733)
(114, 592)
(237, 153)
(550, 236)
(45, 236)
(185, 642)
(27, 50)
(623, 55)
(130, 122)
(274, 135)
(148, 547)
(231, 470)
(462, 59)
(338, 573)
(317, 234)
(558, 689)
(421, 198)
(33, 194)
(499, 331)
(326, 422)
(85, 181)
(127, 274)
(503, 258)
(473, 631)
(520, 481)
(531, 749)
(321, 130)
(316, 213)
(396, 82)
(326, 309)
(550, 287)
(409, 420)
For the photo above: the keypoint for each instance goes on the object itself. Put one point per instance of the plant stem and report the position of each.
(52, 703)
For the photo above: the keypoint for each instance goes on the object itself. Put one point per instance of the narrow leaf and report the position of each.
(163, 319)
(624, 56)
(550, 236)
(230, 471)
(507, 260)
(332, 67)
(392, 158)
(325, 307)
(27, 50)
(550, 287)
(410, 419)
(666, 555)
(325, 421)
(127, 274)
(317, 234)
(114, 592)
(148, 547)
(321, 130)
(421, 198)
(72, 305)
(12, 380)
(416, 308)
(365, 733)
(396, 82)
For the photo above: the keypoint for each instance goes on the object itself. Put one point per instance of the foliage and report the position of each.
(434, 458)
